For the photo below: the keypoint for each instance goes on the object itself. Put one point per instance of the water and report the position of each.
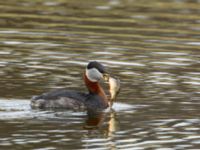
(152, 46)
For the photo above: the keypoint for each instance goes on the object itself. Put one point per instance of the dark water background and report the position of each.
(153, 46)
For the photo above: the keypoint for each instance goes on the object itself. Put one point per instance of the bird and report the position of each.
(95, 99)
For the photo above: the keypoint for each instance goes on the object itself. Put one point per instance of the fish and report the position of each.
(114, 89)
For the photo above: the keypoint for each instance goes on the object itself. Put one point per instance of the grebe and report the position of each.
(96, 99)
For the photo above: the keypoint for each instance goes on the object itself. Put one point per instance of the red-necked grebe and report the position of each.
(96, 99)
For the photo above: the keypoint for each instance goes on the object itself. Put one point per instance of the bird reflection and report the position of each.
(96, 120)
(103, 124)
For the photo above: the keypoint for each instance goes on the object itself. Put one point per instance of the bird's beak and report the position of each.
(106, 77)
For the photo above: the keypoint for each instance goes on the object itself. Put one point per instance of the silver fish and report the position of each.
(114, 84)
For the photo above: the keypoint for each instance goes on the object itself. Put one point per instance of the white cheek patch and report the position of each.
(93, 75)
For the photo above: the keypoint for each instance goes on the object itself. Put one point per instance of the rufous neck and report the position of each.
(95, 88)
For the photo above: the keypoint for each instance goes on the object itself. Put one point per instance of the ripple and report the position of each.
(45, 148)
(182, 124)
(122, 63)
(103, 7)
(3, 63)
(5, 52)
(107, 53)
(180, 59)
(194, 43)
(171, 63)
(43, 67)
(20, 109)
(12, 42)
(171, 53)
(122, 107)
(32, 43)
(157, 142)
(192, 83)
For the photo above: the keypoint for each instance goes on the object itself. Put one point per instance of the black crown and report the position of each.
(97, 65)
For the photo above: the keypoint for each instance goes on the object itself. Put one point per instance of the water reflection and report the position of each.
(111, 127)
(94, 119)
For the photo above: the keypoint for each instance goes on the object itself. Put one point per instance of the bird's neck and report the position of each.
(95, 88)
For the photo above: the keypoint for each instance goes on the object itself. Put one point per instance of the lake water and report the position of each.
(153, 46)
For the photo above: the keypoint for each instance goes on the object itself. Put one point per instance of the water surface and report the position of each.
(152, 46)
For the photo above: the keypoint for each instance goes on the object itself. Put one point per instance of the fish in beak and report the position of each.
(114, 84)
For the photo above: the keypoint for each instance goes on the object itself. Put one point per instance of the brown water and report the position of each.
(151, 45)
